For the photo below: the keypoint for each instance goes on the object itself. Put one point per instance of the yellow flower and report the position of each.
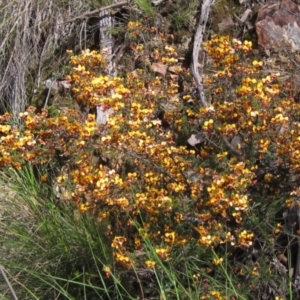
(245, 238)
(118, 242)
(123, 260)
(289, 202)
(162, 253)
(44, 178)
(133, 25)
(80, 68)
(139, 47)
(217, 261)
(150, 264)
(116, 96)
(107, 271)
(268, 177)
(170, 237)
(5, 128)
(84, 207)
(257, 63)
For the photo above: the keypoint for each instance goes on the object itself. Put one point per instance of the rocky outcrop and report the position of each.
(278, 26)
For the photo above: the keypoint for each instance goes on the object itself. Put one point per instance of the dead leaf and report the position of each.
(65, 84)
(227, 22)
(51, 84)
(196, 139)
(237, 142)
(174, 76)
(174, 69)
(244, 16)
(159, 68)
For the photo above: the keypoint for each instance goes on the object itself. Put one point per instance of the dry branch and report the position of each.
(96, 11)
(231, 148)
(198, 40)
(205, 9)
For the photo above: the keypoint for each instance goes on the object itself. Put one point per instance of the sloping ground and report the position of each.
(12, 211)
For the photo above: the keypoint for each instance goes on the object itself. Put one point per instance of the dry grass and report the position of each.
(32, 35)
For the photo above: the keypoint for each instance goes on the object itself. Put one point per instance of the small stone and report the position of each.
(226, 23)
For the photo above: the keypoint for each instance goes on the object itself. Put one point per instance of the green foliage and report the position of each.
(200, 222)
(146, 7)
(184, 14)
(50, 249)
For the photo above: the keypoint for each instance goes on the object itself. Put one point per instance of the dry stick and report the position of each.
(297, 271)
(231, 148)
(293, 61)
(8, 283)
(205, 9)
(48, 95)
(96, 11)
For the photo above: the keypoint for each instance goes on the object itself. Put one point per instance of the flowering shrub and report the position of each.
(133, 173)
(261, 112)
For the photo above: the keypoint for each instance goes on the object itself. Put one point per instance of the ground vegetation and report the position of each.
(187, 188)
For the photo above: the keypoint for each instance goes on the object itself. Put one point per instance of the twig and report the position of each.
(48, 95)
(205, 9)
(8, 283)
(293, 61)
(297, 271)
(96, 11)
(231, 148)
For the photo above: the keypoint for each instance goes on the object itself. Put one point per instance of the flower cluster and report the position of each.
(147, 175)
(258, 124)
(134, 171)
(41, 137)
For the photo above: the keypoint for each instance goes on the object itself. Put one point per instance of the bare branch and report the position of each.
(205, 9)
(231, 148)
(96, 11)
(198, 40)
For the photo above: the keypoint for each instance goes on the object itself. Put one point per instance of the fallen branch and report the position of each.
(205, 9)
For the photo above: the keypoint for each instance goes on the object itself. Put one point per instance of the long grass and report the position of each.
(146, 7)
(49, 252)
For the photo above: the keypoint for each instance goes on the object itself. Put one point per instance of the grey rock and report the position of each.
(278, 27)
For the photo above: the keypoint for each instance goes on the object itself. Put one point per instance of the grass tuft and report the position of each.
(49, 252)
